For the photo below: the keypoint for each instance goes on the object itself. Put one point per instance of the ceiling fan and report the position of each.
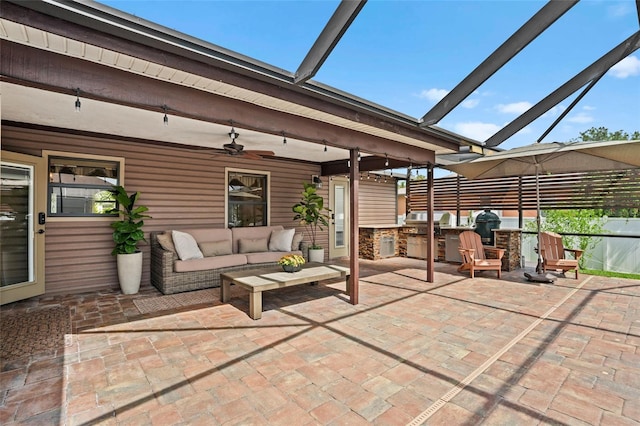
(234, 148)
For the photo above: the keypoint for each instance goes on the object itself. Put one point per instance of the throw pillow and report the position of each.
(281, 240)
(297, 239)
(186, 246)
(215, 248)
(247, 245)
(166, 242)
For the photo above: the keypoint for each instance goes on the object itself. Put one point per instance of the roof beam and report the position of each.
(332, 33)
(514, 44)
(593, 71)
(366, 164)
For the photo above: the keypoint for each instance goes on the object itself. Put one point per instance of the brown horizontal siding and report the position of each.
(183, 188)
(377, 202)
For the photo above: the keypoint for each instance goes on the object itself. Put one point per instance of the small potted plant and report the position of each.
(291, 262)
(127, 233)
(310, 211)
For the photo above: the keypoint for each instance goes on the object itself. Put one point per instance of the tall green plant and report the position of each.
(128, 231)
(310, 211)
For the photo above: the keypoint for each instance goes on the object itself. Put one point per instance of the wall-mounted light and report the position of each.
(316, 181)
(166, 117)
(78, 103)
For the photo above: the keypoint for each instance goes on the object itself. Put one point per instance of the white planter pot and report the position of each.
(129, 272)
(316, 255)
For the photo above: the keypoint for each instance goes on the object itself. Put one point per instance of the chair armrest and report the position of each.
(499, 252)
(576, 253)
(467, 254)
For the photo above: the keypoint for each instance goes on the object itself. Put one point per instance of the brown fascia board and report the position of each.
(28, 66)
(170, 48)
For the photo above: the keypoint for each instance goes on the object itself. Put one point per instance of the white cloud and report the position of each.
(581, 117)
(434, 95)
(628, 67)
(470, 103)
(514, 108)
(620, 10)
(588, 108)
(476, 130)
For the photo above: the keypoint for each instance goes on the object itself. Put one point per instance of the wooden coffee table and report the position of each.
(259, 280)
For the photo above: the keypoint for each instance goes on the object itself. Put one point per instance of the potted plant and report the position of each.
(127, 233)
(291, 262)
(310, 211)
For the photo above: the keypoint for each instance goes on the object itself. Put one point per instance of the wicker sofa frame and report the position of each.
(165, 279)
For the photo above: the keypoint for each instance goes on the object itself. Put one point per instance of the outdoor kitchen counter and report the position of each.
(378, 241)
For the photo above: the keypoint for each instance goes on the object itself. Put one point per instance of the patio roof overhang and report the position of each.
(127, 71)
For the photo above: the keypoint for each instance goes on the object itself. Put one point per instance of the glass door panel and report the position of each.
(16, 221)
(339, 225)
(22, 251)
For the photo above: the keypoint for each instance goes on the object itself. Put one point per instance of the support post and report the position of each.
(458, 200)
(430, 228)
(354, 246)
(520, 213)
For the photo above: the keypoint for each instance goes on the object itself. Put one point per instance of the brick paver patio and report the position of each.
(454, 352)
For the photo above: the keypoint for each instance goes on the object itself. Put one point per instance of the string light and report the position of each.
(166, 117)
(78, 104)
(325, 146)
(284, 139)
(386, 160)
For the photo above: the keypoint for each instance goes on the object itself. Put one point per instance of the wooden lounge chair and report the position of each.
(473, 256)
(553, 254)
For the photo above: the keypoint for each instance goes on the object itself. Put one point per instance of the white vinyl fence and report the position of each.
(610, 253)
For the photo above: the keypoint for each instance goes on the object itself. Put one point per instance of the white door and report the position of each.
(339, 224)
(22, 206)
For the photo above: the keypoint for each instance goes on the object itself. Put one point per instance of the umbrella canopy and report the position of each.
(553, 157)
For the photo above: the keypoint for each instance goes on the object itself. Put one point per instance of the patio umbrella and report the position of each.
(552, 157)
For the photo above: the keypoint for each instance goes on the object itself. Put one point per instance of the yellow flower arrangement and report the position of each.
(291, 260)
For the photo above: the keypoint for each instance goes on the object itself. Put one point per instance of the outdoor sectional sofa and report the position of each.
(177, 267)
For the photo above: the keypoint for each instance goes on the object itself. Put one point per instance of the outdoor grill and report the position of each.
(420, 221)
(416, 228)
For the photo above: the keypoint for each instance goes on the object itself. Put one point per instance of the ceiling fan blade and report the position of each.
(261, 153)
(255, 155)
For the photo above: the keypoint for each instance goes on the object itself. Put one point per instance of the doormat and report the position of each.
(34, 331)
(176, 301)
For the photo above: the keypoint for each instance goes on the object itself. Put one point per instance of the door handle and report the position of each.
(40, 231)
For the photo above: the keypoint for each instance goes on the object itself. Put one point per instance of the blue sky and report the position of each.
(405, 55)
